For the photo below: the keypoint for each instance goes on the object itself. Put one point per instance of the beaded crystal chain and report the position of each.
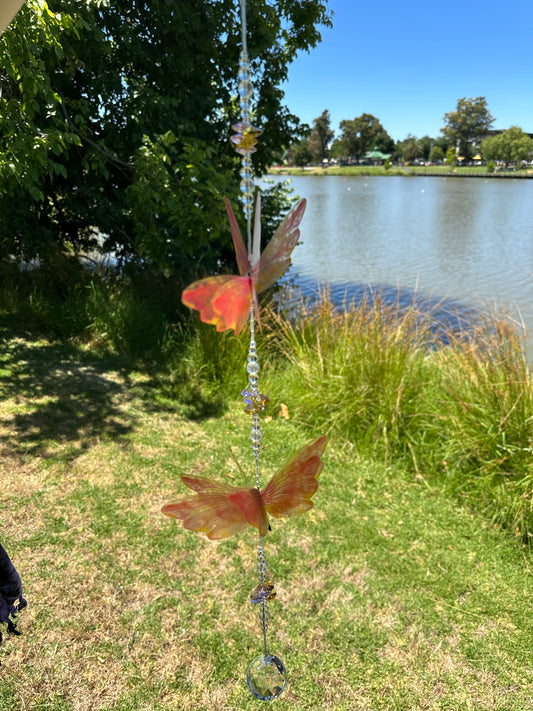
(266, 675)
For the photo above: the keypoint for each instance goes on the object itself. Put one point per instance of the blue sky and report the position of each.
(408, 63)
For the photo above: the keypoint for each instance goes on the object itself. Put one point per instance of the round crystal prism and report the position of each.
(244, 67)
(266, 677)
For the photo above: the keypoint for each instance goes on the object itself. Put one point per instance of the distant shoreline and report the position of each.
(368, 170)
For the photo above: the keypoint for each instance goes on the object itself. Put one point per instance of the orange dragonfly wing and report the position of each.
(218, 510)
(223, 301)
(289, 492)
(276, 257)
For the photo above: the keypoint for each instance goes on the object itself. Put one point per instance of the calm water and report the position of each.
(470, 240)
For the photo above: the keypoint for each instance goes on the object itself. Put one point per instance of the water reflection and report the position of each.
(442, 317)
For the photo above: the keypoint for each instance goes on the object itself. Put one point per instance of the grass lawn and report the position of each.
(390, 595)
(444, 170)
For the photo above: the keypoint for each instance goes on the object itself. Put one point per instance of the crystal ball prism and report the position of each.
(266, 677)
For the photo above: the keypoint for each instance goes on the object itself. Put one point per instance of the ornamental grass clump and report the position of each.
(455, 407)
(483, 415)
(359, 371)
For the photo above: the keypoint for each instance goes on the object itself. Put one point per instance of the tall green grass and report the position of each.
(459, 415)
(482, 398)
(359, 373)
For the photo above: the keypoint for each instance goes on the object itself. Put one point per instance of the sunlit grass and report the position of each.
(390, 595)
(358, 373)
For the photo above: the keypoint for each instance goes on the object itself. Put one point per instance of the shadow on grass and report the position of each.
(56, 394)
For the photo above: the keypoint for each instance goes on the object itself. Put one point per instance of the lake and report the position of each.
(467, 240)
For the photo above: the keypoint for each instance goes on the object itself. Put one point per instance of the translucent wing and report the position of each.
(218, 510)
(241, 252)
(289, 492)
(223, 301)
(276, 258)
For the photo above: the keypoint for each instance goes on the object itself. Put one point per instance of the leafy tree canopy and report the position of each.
(509, 146)
(363, 134)
(301, 154)
(436, 154)
(410, 148)
(428, 148)
(115, 116)
(320, 137)
(468, 124)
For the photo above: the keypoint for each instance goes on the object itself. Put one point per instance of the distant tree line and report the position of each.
(464, 135)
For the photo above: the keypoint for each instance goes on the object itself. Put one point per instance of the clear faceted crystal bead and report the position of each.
(246, 172)
(247, 187)
(245, 105)
(252, 367)
(256, 435)
(266, 677)
(245, 89)
(246, 192)
(244, 67)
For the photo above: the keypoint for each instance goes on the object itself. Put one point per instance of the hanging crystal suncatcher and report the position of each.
(230, 302)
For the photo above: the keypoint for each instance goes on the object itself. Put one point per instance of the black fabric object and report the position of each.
(10, 592)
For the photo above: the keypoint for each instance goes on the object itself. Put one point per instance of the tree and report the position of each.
(336, 150)
(362, 134)
(426, 144)
(410, 149)
(451, 156)
(468, 124)
(321, 137)
(442, 142)
(436, 155)
(114, 121)
(428, 148)
(509, 146)
(301, 155)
